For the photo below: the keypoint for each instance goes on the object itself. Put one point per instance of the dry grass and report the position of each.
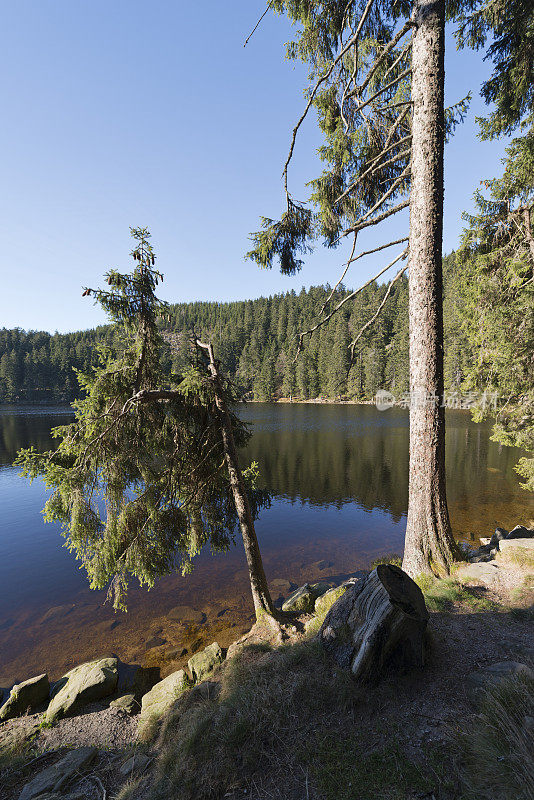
(269, 704)
(520, 556)
(498, 750)
(283, 726)
(390, 558)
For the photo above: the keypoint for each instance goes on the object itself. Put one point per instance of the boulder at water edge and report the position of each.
(323, 604)
(202, 663)
(303, 600)
(517, 549)
(159, 699)
(82, 685)
(520, 532)
(28, 694)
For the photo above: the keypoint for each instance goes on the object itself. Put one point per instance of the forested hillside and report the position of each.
(256, 341)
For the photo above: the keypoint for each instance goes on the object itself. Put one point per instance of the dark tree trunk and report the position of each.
(429, 544)
(263, 603)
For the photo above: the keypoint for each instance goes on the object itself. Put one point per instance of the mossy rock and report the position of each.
(28, 694)
(126, 703)
(303, 600)
(202, 663)
(158, 701)
(325, 601)
(323, 604)
(82, 685)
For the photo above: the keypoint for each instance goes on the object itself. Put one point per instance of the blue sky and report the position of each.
(127, 112)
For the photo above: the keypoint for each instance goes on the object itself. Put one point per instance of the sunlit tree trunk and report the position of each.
(261, 596)
(429, 544)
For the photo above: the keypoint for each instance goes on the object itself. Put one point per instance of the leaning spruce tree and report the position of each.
(148, 473)
(376, 82)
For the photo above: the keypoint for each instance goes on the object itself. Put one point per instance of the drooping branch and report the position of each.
(349, 297)
(319, 83)
(370, 321)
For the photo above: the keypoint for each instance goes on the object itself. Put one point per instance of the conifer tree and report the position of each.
(138, 479)
(377, 84)
(497, 252)
(497, 310)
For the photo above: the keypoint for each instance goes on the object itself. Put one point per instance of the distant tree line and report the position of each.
(256, 341)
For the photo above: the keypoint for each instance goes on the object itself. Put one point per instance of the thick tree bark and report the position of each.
(429, 544)
(263, 603)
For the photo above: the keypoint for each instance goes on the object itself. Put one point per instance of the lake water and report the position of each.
(339, 478)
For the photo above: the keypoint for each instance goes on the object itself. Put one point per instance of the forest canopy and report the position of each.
(256, 342)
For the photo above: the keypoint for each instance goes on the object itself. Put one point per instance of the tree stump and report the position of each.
(379, 620)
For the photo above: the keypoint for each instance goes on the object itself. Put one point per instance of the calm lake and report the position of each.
(339, 478)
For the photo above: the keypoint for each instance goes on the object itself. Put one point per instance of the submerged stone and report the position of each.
(186, 614)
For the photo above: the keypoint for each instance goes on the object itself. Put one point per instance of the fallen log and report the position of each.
(379, 620)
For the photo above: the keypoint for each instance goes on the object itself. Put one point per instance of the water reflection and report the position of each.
(339, 478)
(331, 455)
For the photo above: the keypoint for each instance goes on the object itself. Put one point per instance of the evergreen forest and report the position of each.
(256, 342)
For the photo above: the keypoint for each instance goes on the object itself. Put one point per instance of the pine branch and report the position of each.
(319, 83)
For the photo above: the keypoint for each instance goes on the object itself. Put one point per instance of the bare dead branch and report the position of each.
(320, 81)
(258, 23)
(396, 183)
(399, 58)
(389, 85)
(375, 162)
(346, 299)
(342, 275)
(395, 105)
(369, 322)
(360, 225)
(383, 55)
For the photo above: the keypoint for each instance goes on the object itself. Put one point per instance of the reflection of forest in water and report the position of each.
(331, 455)
(28, 426)
(336, 454)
